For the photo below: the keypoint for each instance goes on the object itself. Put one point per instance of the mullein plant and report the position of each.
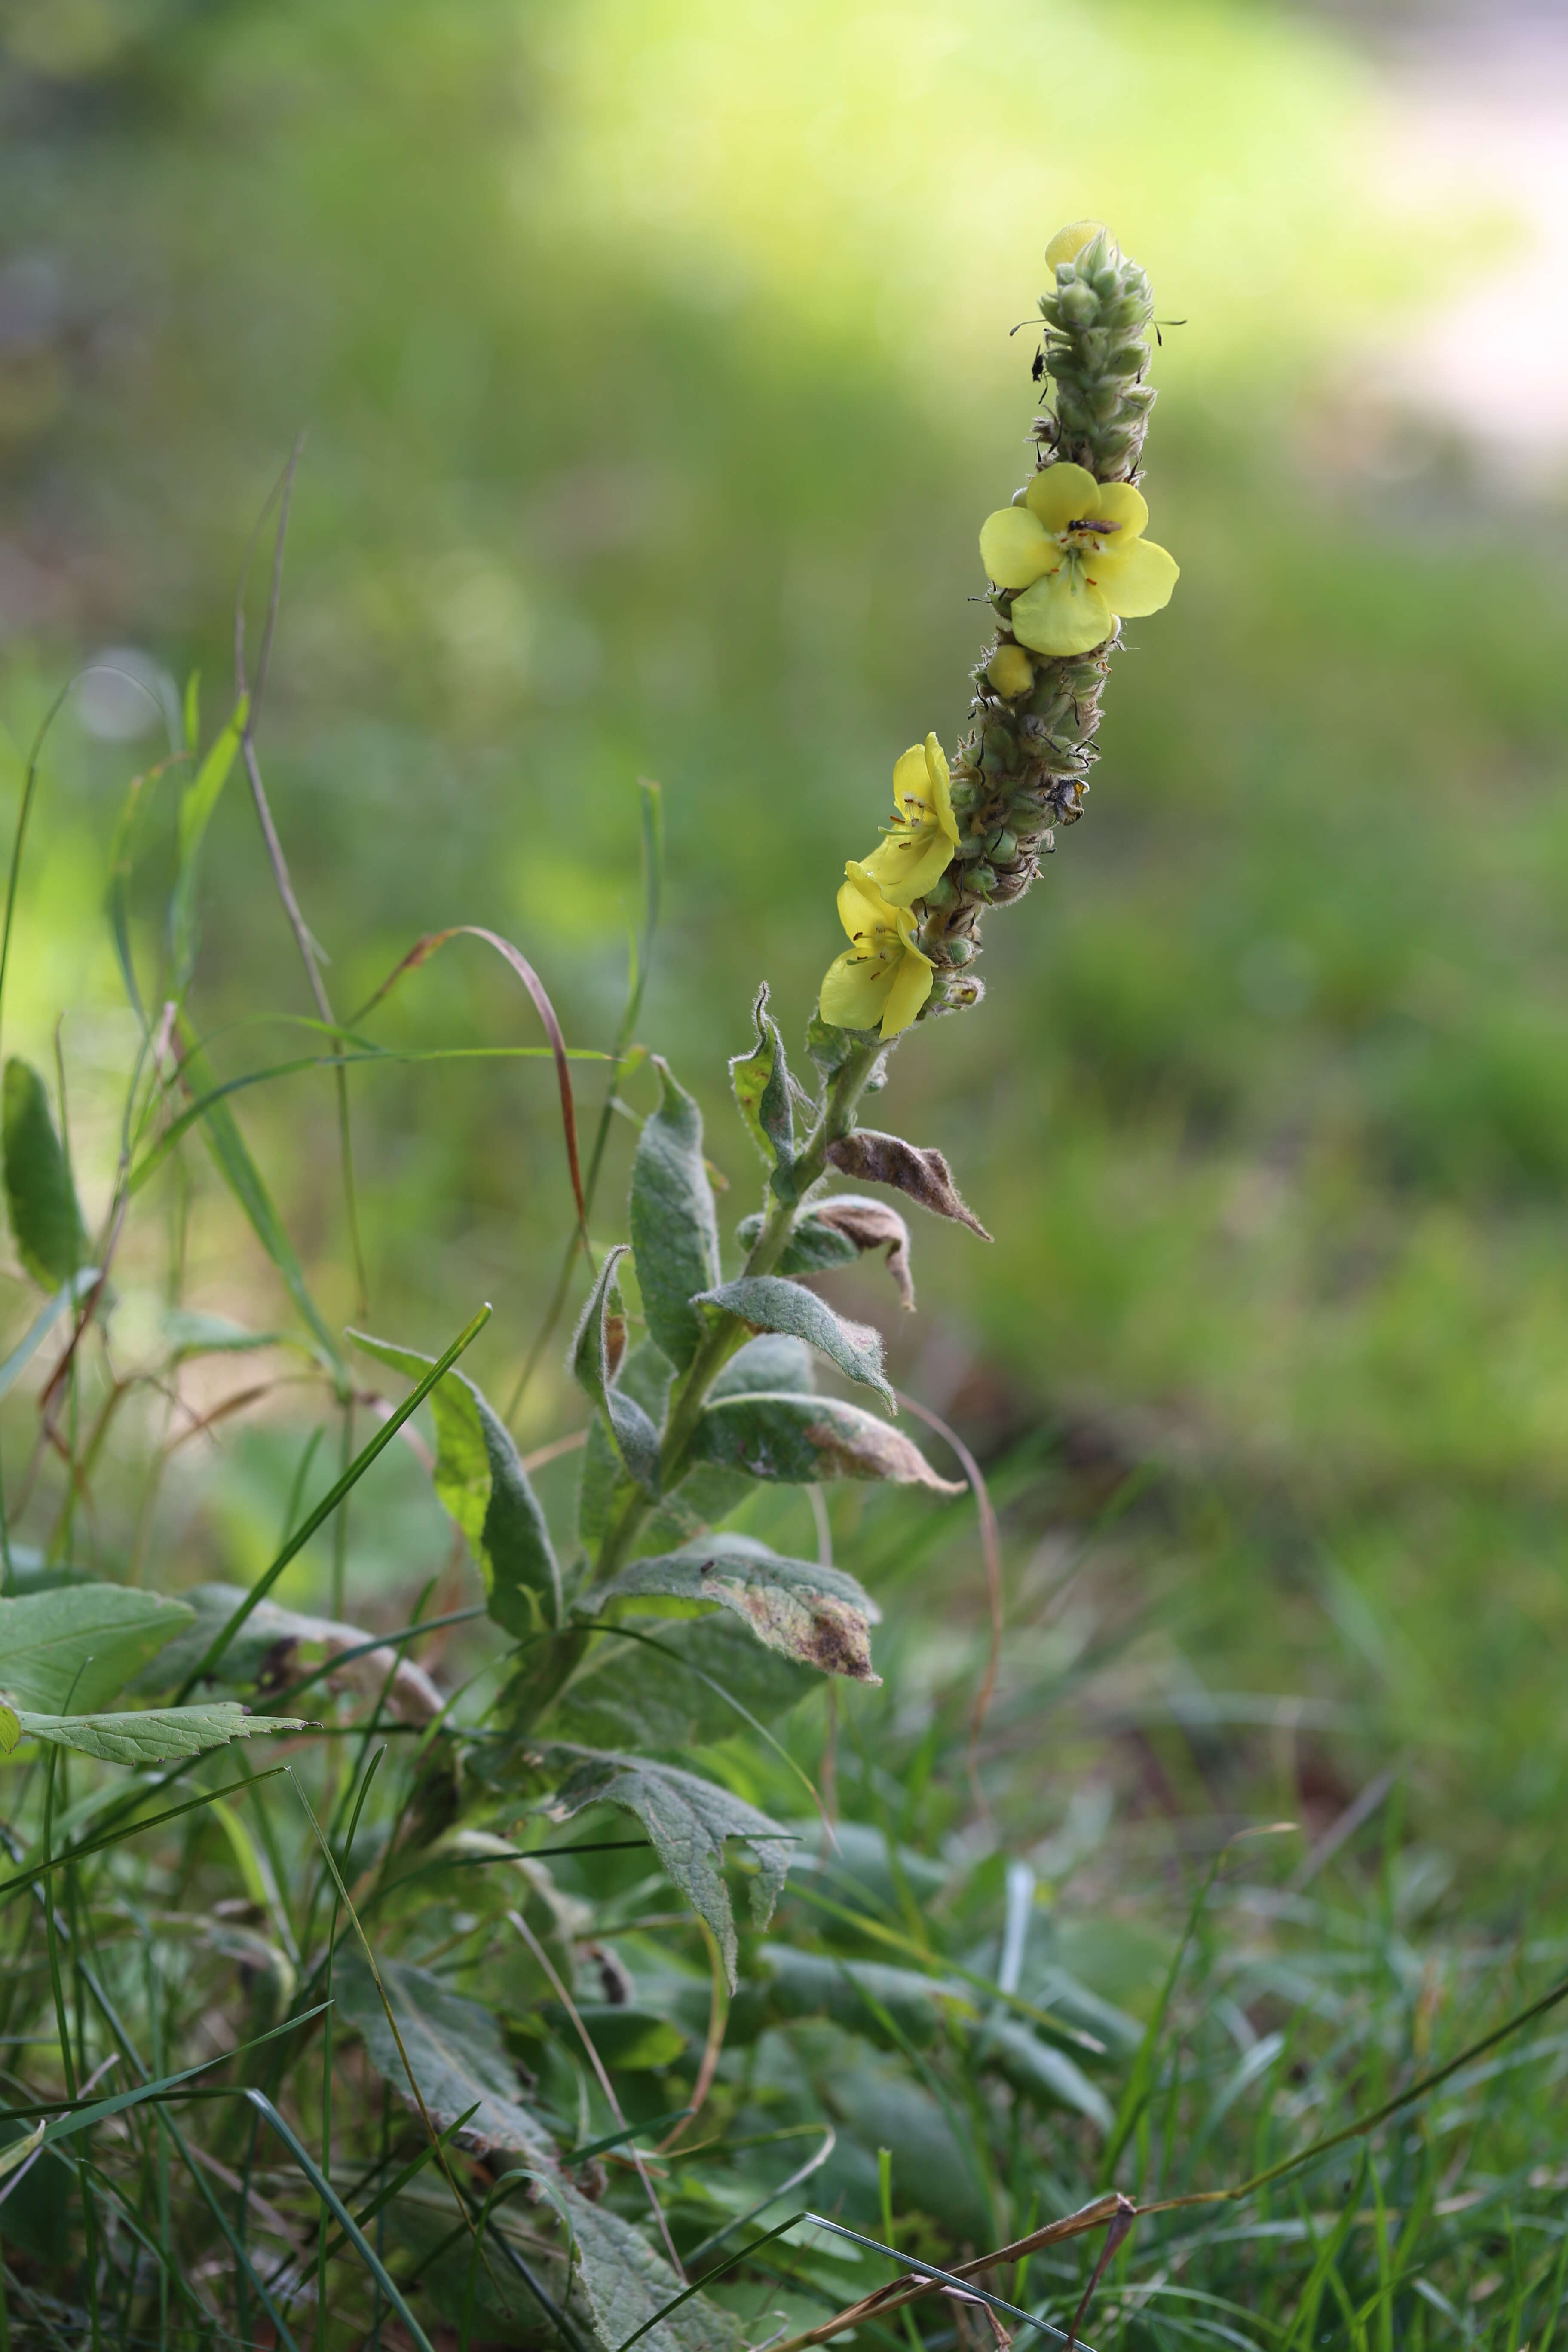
(636, 1645)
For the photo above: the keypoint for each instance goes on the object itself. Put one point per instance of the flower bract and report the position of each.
(881, 980)
(923, 837)
(1077, 552)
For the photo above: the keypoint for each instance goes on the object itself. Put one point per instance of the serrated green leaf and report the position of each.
(196, 805)
(645, 1376)
(480, 1480)
(796, 1440)
(627, 2281)
(46, 1220)
(686, 1692)
(687, 1820)
(761, 1081)
(816, 1615)
(674, 1230)
(766, 1302)
(632, 1432)
(155, 1734)
(454, 2047)
(71, 1650)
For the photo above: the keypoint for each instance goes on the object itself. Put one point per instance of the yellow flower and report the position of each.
(1069, 242)
(883, 977)
(1076, 549)
(923, 835)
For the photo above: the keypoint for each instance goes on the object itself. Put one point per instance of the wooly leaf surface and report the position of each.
(645, 1375)
(796, 1439)
(687, 1820)
(627, 2281)
(631, 1428)
(674, 1231)
(68, 1651)
(454, 2047)
(480, 1480)
(675, 1685)
(816, 1615)
(45, 1222)
(761, 1081)
(766, 1302)
(152, 1737)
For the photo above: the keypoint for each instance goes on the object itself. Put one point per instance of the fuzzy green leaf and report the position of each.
(627, 2281)
(674, 1233)
(46, 1220)
(766, 1302)
(796, 1440)
(761, 1081)
(687, 1820)
(276, 1646)
(69, 1650)
(632, 1432)
(480, 1480)
(818, 1984)
(836, 1233)
(155, 1735)
(812, 1247)
(645, 1376)
(816, 1615)
(454, 2047)
(683, 1687)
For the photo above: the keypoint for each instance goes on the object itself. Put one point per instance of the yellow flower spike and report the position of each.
(882, 979)
(1069, 242)
(923, 837)
(1075, 556)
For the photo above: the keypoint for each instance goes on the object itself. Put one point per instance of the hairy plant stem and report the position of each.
(728, 1333)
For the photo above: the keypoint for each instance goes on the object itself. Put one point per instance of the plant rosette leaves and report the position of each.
(674, 1228)
(818, 1616)
(480, 1481)
(1045, 2076)
(862, 1996)
(454, 2049)
(275, 1645)
(153, 1736)
(687, 1820)
(627, 2281)
(46, 1220)
(923, 1175)
(760, 1080)
(767, 1302)
(67, 1652)
(796, 1440)
(594, 1363)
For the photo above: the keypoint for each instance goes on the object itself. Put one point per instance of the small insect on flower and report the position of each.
(882, 979)
(923, 837)
(1076, 550)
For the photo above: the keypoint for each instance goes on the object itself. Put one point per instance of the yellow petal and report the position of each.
(941, 789)
(1069, 242)
(1011, 672)
(1133, 580)
(855, 990)
(1062, 615)
(1121, 503)
(1060, 495)
(911, 784)
(908, 864)
(1014, 549)
(911, 986)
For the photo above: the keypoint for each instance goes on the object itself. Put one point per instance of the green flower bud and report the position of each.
(1077, 305)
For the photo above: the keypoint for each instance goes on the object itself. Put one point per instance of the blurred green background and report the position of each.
(656, 361)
